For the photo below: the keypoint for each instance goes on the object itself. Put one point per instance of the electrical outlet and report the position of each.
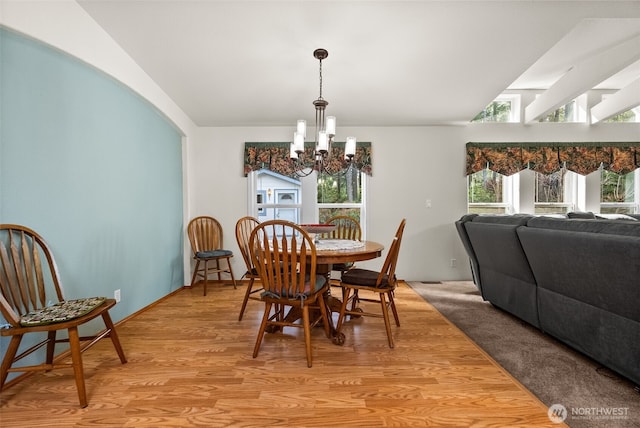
(427, 203)
(453, 263)
(116, 295)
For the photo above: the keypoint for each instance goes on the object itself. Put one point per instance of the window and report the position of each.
(573, 111)
(554, 192)
(557, 193)
(618, 192)
(632, 115)
(312, 199)
(486, 193)
(274, 196)
(505, 108)
(340, 195)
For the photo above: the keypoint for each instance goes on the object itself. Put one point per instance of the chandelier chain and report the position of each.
(320, 80)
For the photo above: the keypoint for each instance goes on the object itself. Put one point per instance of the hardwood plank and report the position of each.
(190, 364)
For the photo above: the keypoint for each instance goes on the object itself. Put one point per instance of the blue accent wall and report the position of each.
(95, 169)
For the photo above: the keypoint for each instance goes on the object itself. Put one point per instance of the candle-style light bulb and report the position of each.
(350, 148)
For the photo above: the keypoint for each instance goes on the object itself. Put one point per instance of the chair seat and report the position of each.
(213, 254)
(61, 312)
(364, 277)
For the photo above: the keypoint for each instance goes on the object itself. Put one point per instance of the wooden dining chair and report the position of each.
(346, 228)
(205, 236)
(244, 227)
(32, 301)
(285, 256)
(380, 285)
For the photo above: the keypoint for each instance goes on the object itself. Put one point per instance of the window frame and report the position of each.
(308, 208)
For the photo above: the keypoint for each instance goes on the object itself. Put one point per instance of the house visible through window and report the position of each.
(276, 196)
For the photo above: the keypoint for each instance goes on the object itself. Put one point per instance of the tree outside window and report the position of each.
(486, 192)
(550, 193)
(617, 192)
(340, 195)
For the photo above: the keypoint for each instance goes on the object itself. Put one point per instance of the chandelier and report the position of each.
(325, 131)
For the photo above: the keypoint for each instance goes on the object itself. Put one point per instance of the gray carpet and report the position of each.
(553, 372)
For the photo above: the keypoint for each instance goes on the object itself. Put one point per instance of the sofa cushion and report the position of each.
(611, 227)
(581, 214)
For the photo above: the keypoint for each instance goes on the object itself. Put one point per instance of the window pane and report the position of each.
(341, 195)
(277, 196)
(497, 111)
(343, 188)
(550, 193)
(485, 187)
(327, 213)
(485, 193)
(566, 113)
(617, 192)
(632, 115)
(550, 187)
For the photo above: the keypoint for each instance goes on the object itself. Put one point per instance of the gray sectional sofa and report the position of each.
(575, 279)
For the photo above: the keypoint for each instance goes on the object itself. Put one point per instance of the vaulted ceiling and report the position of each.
(390, 63)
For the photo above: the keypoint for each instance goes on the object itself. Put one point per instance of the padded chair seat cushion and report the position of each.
(320, 282)
(61, 311)
(364, 277)
(213, 254)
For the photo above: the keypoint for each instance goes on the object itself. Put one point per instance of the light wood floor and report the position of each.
(190, 364)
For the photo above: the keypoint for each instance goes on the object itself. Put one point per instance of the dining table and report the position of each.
(335, 251)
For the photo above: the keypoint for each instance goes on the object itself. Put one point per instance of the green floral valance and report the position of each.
(547, 158)
(275, 157)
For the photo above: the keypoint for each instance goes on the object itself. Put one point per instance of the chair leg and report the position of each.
(263, 325)
(246, 298)
(218, 269)
(76, 358)
(355, 300)
(195, 273)
(392, 303)
(307, 333)
(325, 313)
(387, 321)
(114, 336)
(206, 277)
(233, 280)
(51, 346)
(9, 355)
(345, 300)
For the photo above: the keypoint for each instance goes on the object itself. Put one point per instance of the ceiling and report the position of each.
(390, 63)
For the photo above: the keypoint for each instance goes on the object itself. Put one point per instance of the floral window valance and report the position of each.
(275, 157)
(547, 158)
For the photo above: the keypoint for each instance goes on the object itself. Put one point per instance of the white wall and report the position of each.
(406, 173)
(410, 165)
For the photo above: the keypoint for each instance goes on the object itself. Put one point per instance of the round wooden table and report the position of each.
(325, 258)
